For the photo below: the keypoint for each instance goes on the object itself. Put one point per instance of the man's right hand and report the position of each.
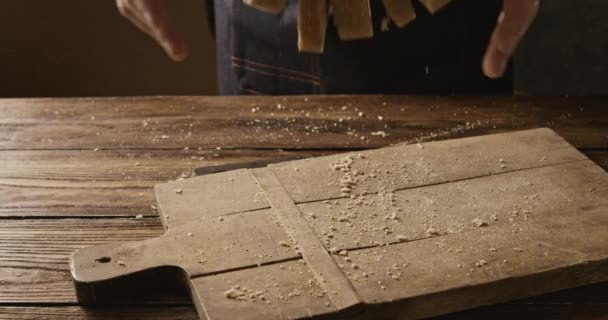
(151, 17)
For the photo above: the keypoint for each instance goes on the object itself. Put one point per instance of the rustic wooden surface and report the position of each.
(534, 191)
(75, 172)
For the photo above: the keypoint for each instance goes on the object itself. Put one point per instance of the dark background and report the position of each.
(85, 48)
(566, 51)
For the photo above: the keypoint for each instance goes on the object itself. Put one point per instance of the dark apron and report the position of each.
(434, 55)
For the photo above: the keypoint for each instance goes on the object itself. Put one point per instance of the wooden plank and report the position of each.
(128, 165)
(124, 165)
(42, 171)
(416, 165)
(290, 291)
(516, 254)
(565, 311)
(99, 313)
(450, 208)
(582, 121)
(34, 254)
(559, 311)
(39, 240)
(306, 241)
(22, 197)
(303, 122)
(540, 236)
(533, 205)
(39, 183)
(198, 248)
(216, 191)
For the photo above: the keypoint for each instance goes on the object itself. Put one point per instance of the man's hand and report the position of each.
(151, 17)
(513, 22)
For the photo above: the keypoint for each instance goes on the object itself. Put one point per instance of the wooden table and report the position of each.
(77, 172)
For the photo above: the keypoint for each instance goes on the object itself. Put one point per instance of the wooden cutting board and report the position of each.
(402, 232)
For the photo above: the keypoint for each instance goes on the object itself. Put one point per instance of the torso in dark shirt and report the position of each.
(436, 54)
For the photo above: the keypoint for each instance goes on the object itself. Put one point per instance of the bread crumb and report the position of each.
(481, 263)
(380, 133)
(284, 244)
(479, 223)
(178, 191)
(401, 238)
(432, 232)
(190, 234)
(139, 216)
(235, 293)
(121, 263)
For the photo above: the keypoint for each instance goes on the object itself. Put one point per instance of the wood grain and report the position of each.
(409, 166)
(302, 123)
(37, 183)
(39, 250)
(34, 253)
(308, 243)
(557, 311)
(535, 193)
(103, 313)
(47, 149)
(40, 183)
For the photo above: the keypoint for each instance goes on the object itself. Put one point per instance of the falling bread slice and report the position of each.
(270, 6)
(401, 12)
(312, 25)
(353, 19)
(434, 5)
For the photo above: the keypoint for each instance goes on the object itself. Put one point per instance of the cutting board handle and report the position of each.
(92, 267)
(104, 262)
